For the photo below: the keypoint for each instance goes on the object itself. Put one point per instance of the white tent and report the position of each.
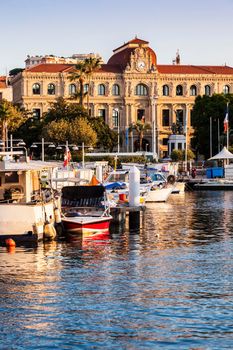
(223, 154)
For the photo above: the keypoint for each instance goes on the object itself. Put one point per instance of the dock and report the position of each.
(135, 214)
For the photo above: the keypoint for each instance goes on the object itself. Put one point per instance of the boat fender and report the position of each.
(57, 215)
(49, 231)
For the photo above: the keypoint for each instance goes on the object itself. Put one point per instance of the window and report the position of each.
(141, 90)
(101, 89)
(165, 141)
(193, 90)
(36, 89)
(165, 90)
(115, 116)
(179, 90)
(36, 113)
(11, 177)
(72, 89)
(207, 90)
(226, 89)
(102, 113)
(51, 89)
(115, 90)
(165, 117)
(86, 88)
(141, 115)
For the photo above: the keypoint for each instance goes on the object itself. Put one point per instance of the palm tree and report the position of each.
(140, 126)
(91, 64)
(84, 70)
(79, 74)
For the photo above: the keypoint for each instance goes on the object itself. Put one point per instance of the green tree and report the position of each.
(176, 155)
(76, 132)
(106, 137)
(15, 71)
(11, 117)
(140, 127)
(207, 107)
(62, 109)
(81, 131)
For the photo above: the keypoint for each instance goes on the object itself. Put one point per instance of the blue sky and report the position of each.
(201, 29)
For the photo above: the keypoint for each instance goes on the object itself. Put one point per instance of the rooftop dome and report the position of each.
(121, 56)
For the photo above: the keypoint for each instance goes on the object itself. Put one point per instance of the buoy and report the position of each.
(49, 231)
(10, 242)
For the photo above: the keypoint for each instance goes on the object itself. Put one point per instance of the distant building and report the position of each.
(5, 89)
(131, 86)
(35, 60)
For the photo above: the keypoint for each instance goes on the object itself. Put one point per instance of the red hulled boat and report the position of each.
(85, 211)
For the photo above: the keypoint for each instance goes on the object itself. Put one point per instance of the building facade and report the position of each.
(5, 89)
(131, 86)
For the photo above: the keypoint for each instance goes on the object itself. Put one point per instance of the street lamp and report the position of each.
(42, 143)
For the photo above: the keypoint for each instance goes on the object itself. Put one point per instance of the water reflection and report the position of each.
(168, 285)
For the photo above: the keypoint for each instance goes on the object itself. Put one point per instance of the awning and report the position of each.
(224, 154)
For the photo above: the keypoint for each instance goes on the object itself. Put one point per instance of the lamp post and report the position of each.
(42, 143)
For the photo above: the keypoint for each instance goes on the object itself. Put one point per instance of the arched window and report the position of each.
(115, 90)
(179, 90)
(226, 89)
(101, 89)
(85, 88)
(165, 90)
(72, 89)
(51, 89)
(141, 90)
(36, 89)
(207, 90)
(193, 90)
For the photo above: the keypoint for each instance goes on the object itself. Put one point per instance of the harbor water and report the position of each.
(165, 286)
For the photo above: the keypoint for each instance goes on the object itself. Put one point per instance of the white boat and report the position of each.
(158, 194)
(151, 189)
(27, 206)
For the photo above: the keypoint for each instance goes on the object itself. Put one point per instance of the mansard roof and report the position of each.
(192, 69)
(50, 68)
(118, 62)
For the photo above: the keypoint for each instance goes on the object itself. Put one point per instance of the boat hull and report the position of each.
(86, 226)
(24, 222)
(158, 195)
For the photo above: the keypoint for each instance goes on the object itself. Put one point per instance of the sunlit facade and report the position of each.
(131, 86)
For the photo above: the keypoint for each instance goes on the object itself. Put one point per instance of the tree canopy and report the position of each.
(11, 118)
(209, 112)
(64, 112)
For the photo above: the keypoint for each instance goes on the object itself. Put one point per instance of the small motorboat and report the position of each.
(85, 210)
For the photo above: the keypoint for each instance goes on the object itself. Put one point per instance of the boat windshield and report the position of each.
(118, 177)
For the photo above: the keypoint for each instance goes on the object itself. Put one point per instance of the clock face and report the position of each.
(141, 65)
